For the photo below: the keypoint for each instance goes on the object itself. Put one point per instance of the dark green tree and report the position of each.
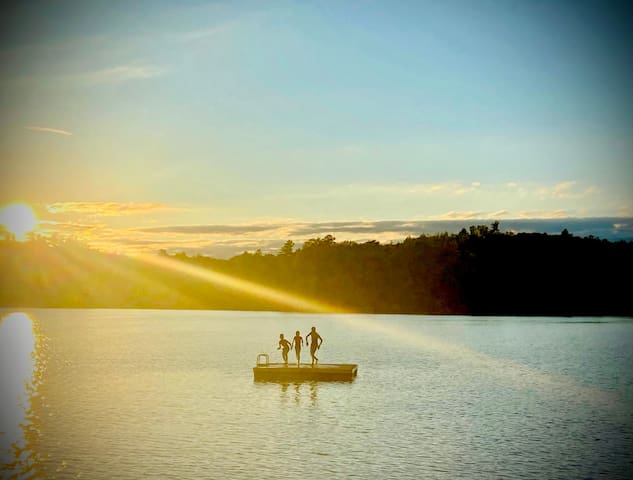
(287, 248)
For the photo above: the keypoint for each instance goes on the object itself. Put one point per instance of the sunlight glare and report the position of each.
(17, 363)
(18, 219)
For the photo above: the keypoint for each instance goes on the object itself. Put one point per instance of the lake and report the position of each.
(130, 394)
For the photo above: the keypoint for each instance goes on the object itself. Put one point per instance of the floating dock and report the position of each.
(322, 372)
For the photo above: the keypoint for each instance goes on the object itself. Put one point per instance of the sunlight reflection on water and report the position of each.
(19, 380)
(505, 370)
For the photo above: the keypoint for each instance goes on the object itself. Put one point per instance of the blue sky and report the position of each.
(121, 116)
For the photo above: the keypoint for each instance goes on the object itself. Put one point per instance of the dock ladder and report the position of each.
(262, 360)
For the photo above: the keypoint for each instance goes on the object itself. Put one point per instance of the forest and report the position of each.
(479, 271)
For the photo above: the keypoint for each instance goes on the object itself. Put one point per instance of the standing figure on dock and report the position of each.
(297, 342)
(285, 345)
(315, 343)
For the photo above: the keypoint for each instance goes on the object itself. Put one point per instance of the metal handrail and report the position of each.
(260, 363)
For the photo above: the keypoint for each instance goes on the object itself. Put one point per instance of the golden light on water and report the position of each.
(509, 372)
(18, 219)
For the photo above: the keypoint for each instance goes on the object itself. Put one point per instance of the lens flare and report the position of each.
(18, 219)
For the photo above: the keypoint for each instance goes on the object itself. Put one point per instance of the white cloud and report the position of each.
(206, 33)
(500, 214)
(543, 214)
(108, 209)
(563, 190)
(450, 188)
(120, 73)
(566, 190)
(461, 215)
(58, 131)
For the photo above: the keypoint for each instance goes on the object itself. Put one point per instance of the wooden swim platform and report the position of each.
(264, 371)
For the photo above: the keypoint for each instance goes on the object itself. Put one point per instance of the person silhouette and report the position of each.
(315, 343)
(285, 344)
(297, 342)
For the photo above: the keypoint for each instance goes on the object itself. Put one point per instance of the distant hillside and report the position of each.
(481, 271)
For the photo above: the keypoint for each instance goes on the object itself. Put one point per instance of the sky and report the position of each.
(220, 127)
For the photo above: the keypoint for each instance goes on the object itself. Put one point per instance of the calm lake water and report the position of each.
(132, 394)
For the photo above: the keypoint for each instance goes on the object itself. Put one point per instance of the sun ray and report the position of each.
(279, 297)
(128, 271)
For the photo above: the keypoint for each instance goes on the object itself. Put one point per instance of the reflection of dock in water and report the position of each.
(323, 372)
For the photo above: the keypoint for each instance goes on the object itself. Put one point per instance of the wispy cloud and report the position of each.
(57, 131)
(479, 195)
(563, 190)
(460, 215)
(108, 209)
(214, 34)
(120, 73)
(566, 190)
(500, 214)
(420, 189)
(213, 229)
(405, 189)
(205, 33)
(543, 214)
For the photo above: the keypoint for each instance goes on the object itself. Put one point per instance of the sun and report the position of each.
(18, 219)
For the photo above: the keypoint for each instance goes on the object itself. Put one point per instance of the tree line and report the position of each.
(479, 271)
